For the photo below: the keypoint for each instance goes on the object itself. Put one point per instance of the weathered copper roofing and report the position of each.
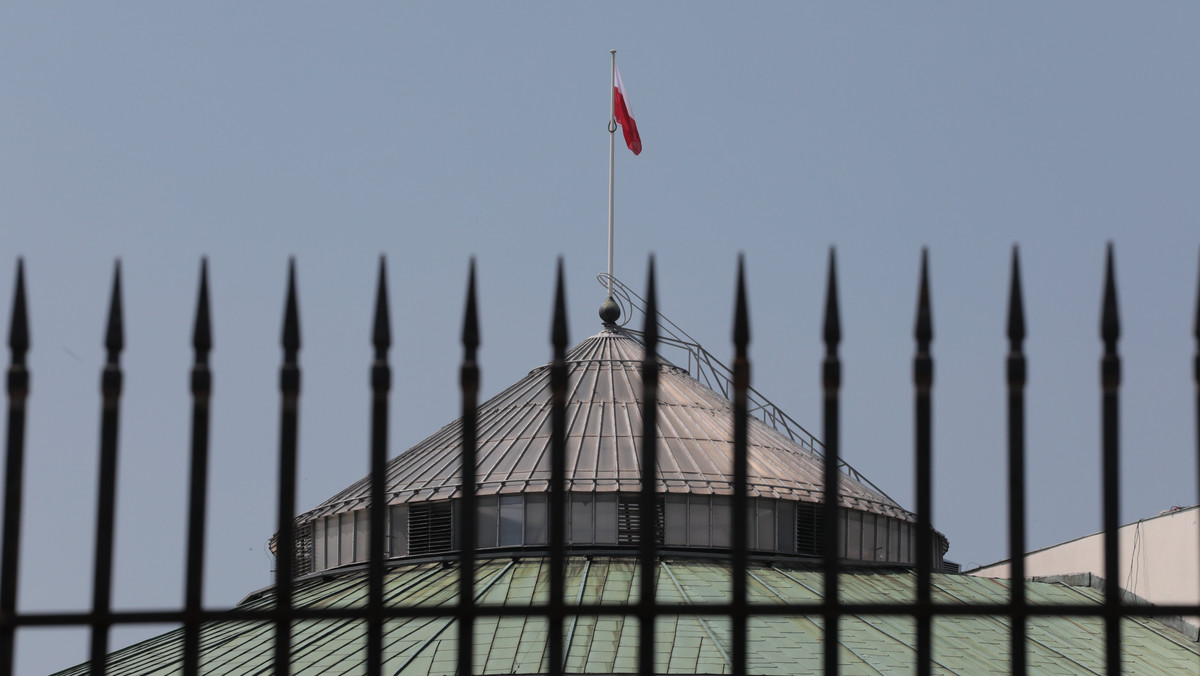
(685, 643)
(695, 441)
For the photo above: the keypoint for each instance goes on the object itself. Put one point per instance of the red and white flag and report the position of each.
(624, 114)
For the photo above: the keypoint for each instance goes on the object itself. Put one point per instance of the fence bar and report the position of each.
(1196, 379)
(648, 504)
(14, 472)
(831, 383)
(110, 388)
(1016, 378)
(285, 543)
(558, 474)
(741, 383)
(469, 383)
(1110, 379)
(201, 385)
(101, 618)
(923, 381)
(381, 385)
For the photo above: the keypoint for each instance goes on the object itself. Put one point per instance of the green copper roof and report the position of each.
(687, 644)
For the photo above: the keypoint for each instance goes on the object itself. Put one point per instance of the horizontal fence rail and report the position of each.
(101, 617)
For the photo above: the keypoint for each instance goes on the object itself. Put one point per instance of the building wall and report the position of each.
(691, 521)
(1160, 559)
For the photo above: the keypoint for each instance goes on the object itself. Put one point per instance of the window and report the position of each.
(868, 537)
(881, 542)
(345, 538)
(893, 540)
(698, 522)
(854, 533)
(362, 535)
(536, 530)
(722, 518)
(606, 519)
(581, 518)
(511, 511)
(486, 521)
(785, 527)
(675, 519)
(766, 524)
(319, 545)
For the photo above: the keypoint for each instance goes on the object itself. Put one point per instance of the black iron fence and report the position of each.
(101, 617)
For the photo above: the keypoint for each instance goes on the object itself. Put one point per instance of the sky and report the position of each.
(335, 133)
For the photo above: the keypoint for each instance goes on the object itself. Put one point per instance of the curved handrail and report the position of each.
(706, 368)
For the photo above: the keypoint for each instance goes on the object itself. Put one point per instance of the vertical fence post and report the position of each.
(1110, 380)
(741, 384)
(102, 617)
(381, 385)
(110, 387)
(469, 383)
(648, 498)
(14, 472)
(831, 383)
(201, 385)
(1016, 378)
(1196, 380)
(923, 381)
(558, 475)
(285, 543)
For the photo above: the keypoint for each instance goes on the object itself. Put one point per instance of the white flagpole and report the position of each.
(612, 136)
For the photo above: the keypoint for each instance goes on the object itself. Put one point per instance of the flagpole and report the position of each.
(612, 137)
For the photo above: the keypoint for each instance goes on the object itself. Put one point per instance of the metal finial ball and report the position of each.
(610, 312)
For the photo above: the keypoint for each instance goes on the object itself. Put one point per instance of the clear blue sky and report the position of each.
(159, 133)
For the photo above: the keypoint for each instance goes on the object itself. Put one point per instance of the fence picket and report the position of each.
(739, 610)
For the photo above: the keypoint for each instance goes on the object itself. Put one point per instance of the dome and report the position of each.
(685, 643)
(694, 474)
(695, 435)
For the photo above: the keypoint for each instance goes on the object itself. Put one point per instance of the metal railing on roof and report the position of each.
(708, 369)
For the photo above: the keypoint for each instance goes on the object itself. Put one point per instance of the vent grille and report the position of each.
(629, 520)
(430, 527)
(810, 528)
(304, 550)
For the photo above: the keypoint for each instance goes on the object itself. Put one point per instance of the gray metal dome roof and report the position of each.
(695, 437)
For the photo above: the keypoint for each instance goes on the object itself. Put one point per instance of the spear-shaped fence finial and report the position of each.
(741, 317)
(923, 331)
(1016, 305)
(18, 328)
(1110, 320)
(832, 325)
(470, 330)
(114, 335)
(202, 327)
(381, 336)
(291, 317)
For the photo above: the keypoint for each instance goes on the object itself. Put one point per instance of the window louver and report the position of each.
(629, 521)
(810, 528)
(304, 549)
(429, 527)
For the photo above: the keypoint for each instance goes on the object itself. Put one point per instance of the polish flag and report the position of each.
(624, 115)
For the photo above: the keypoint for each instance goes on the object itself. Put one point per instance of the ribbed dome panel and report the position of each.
(604, 422)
